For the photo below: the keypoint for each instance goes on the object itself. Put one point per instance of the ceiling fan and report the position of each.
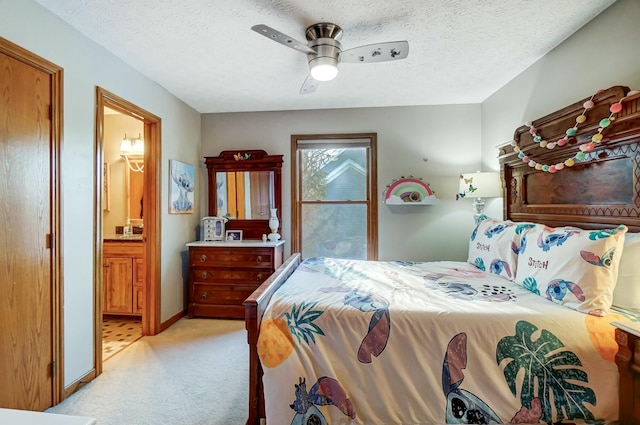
(324, 51)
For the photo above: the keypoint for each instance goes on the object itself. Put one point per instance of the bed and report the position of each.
(497, 339)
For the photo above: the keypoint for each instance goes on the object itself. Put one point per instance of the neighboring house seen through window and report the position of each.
(334, 197)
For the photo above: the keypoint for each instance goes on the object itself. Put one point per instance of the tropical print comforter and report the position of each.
(381, 343)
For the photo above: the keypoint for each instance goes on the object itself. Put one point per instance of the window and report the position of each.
(334, 196)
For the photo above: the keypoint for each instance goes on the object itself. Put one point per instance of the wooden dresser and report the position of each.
(223, 274)
(628, 361)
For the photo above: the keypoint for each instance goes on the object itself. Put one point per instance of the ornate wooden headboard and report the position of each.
(600, 191)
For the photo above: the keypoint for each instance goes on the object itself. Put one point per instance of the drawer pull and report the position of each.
(259, 259)
(204, 295)
(203, 258)
(259, 276)
(204, 275)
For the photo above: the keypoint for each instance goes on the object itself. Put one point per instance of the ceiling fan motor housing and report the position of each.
(328, 52)
(323, 30)
(323, 39)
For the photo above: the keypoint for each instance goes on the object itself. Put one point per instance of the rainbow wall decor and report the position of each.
(409, 191)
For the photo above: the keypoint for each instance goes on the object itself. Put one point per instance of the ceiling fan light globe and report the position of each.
(324, 72)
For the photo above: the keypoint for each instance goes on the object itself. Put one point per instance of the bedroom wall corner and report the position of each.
(601, 54)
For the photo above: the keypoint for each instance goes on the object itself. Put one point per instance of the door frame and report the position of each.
(56, 74)
(151, 205)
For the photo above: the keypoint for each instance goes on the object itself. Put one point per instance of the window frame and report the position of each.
(366, 140)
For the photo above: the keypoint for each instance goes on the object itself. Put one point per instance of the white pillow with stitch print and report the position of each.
(626, 295)
(573, 267)
(490, 247)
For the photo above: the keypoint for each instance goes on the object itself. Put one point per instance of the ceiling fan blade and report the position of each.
(380, 52)
(309, 86)
(281, 38)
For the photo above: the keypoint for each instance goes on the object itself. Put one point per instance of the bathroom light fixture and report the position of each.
(479, 185)
(132, 150)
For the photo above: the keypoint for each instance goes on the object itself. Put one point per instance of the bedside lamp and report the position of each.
(479, 185)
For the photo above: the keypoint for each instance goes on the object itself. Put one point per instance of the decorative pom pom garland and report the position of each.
(564, 140)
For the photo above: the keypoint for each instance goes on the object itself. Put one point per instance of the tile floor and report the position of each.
(118, 332)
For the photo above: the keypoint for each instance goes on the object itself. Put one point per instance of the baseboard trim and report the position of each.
(173, 319)
(75, 386)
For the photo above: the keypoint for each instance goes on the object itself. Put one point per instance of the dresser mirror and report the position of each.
(243, 187)
(244, 195)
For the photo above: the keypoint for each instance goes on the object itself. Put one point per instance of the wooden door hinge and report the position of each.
(54, 369)
(47, 241)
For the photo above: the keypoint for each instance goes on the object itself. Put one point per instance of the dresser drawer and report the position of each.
(220, 275)
(224, 274)
(222, 257)
(221, 294)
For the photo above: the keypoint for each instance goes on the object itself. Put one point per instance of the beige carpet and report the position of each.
(195, 372)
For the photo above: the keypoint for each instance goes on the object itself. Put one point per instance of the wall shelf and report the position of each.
(409, 191)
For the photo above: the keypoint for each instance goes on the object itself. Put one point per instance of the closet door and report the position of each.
(26, 284)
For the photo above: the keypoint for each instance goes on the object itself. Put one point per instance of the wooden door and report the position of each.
(26, 261)
(118, 285)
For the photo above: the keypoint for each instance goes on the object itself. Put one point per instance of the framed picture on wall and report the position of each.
(181, 187)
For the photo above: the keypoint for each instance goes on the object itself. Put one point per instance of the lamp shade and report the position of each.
(138, 146)
(132, 146)
(480, 185)
(125, 145)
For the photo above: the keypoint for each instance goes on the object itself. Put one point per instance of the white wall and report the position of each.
(604, 53)
(115, 127)
(87, 65)
(448, 136)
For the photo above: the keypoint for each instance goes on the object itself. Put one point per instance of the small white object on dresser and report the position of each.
(212, 229)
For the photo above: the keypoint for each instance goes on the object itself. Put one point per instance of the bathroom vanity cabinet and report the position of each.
(123, 277)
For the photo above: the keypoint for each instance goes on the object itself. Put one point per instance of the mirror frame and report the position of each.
(245, 160)
(128, 179)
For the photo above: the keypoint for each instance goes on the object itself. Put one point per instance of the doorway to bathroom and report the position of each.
(127, 227)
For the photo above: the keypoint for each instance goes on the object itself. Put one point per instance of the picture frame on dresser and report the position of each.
(233, 235)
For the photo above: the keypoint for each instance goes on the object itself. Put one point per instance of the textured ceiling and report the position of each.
(204, 52)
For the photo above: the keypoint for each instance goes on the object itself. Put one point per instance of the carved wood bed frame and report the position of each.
(601, 191)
